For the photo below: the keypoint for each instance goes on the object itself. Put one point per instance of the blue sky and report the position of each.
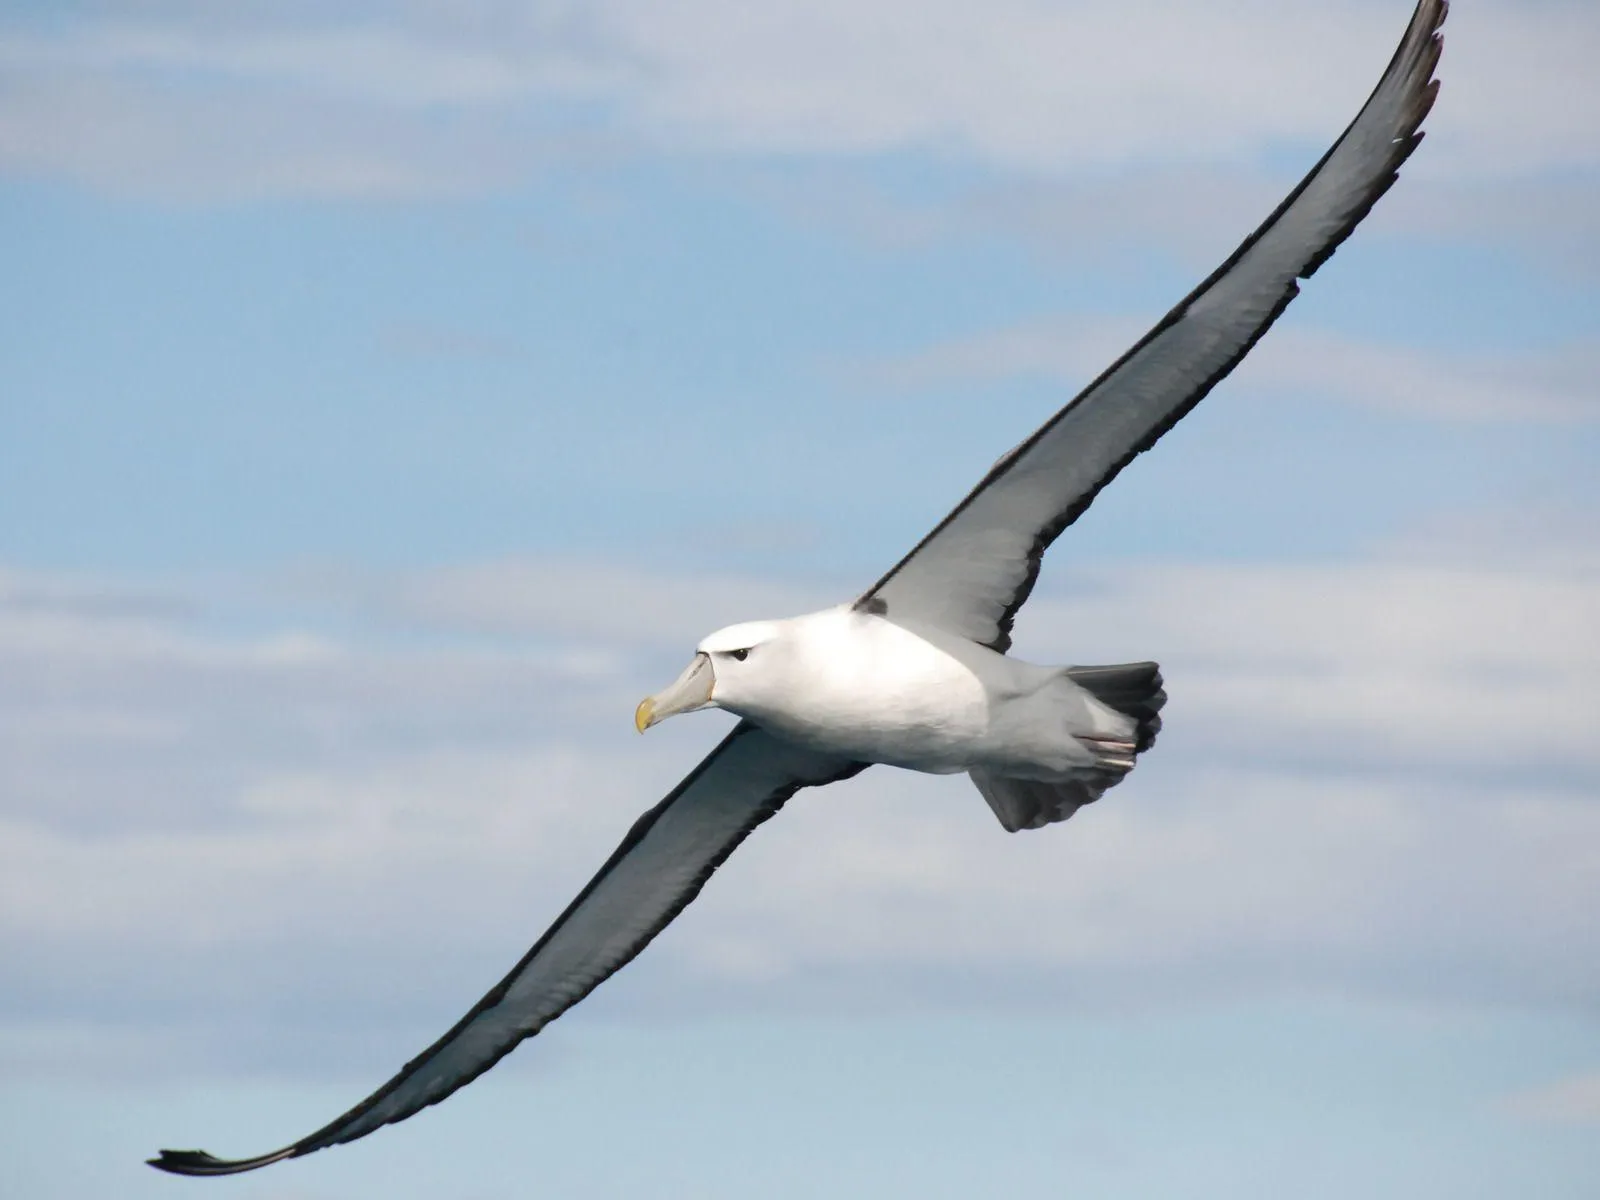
(388, 398)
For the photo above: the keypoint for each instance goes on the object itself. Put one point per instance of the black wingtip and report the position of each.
(198, 1162)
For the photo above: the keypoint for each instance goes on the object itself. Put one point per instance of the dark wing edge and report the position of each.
(795, 769)
(1413, 63)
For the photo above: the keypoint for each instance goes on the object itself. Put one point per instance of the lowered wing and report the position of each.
(973, 572)
(657, 870)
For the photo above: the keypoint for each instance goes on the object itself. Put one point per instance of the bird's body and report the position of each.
(914, 672)
(851, 683)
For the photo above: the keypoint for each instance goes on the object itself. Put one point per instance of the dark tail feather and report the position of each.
(1131, 688)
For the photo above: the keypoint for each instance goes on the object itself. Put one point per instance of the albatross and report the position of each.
(914, 672)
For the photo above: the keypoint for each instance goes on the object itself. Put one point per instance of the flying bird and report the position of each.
(914, 672)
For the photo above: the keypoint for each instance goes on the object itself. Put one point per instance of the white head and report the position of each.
(728, 670)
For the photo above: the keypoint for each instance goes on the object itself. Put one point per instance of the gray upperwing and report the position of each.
(972, 573)
(657, 870)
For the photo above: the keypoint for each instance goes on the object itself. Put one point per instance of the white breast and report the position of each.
(856, 685)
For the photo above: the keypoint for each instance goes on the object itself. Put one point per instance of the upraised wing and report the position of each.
(657, 870)
(973, 572)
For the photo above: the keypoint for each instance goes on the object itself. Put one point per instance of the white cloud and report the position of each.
(1574, 1101)
(1558, 386)
(1023, 83)
(1450, 669)
(594, 600)
(364, 100)
(1044, 86)
(127, 137)
(1376, 779)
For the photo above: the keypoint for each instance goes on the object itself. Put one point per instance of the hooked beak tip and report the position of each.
(645, 715)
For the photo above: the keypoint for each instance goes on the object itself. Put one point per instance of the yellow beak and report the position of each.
(645, 715)
(689, 691)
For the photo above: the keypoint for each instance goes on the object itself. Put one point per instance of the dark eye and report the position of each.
(738, 655)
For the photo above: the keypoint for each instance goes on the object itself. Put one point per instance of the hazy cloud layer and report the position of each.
(353, 99)
(1376, 780)
(1574, 1101)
